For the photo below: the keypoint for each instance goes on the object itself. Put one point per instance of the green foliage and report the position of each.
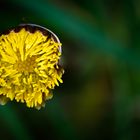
(100, 95)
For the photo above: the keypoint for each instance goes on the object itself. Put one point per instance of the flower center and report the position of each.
(27, 65)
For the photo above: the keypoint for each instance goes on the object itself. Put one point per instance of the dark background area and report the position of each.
(100, 96)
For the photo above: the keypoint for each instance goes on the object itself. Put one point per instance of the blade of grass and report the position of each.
(80, 30)
(58, 117)
(14, 123)
(132, 22)
(123, 103)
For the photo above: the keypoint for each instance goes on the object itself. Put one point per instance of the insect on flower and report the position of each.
(29, 65)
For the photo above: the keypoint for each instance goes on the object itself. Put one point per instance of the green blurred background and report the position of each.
(100, 96)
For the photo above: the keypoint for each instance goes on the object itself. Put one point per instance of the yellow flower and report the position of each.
(29, 65)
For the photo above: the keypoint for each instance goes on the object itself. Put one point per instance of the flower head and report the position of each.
(29, 65)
